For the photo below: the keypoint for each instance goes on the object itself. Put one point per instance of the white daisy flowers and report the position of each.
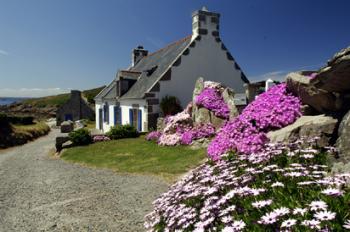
(325, 215)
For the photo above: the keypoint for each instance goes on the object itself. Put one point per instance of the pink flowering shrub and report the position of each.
(246, 133)
(284, 188)
(153, 136)
(169, 139)
(175, 126)
(197, 132)
(100, 138)
(211, 99)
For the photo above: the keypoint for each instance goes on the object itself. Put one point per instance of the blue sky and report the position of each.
(48, 47)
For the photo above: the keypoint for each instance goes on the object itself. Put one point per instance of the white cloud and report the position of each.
(31, 92)
(4, 53)
(280, 75)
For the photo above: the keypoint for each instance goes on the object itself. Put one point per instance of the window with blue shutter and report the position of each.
(139, 126)
(131, 117)
(106, 113)
(117, 115)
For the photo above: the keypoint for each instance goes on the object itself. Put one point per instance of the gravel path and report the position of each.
(40, 193)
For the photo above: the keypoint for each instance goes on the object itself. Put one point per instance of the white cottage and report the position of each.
(133, 97)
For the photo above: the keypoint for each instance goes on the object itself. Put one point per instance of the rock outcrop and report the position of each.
(327, 90)
(202, 115)
(228, 96)
(335, 76)
(67, 126)
(343, 141)
(321, 100)
(307, 126)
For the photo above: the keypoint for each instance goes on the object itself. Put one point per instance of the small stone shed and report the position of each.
(74, 109)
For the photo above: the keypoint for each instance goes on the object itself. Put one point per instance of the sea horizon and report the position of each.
(11, 100)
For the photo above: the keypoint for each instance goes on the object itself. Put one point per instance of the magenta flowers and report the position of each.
(153, 136)
(272, 110)
(211, 99)
(197, 132)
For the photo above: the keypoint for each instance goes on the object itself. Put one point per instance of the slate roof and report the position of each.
(109, 92)
(162, 59)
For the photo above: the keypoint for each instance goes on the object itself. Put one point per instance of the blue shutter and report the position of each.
(106, 113)
(117, 115)
(120, 116)
(130, 117)
(139, 120)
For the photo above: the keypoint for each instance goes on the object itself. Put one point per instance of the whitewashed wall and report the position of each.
(110, 122)
(126, 105)
(98, 105)
(206, 60)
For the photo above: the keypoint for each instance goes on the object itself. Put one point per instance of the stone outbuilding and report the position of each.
(74, 109)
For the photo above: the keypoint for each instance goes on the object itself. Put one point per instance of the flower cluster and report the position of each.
(100, 138)
(247, 133)
(179, 129)
(153, 136)
(175, 126)
(279, 190)
(197, 132)
(211, 99)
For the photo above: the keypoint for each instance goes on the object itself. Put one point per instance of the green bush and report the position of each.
(122, 131)
(170, 105)
(21, 120)
(80, 137)
(4, 120)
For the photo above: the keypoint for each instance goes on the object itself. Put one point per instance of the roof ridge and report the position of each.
(131, 71)
(171, 44)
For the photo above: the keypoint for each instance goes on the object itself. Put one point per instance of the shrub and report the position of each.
(170, 105)
(122, 131)
(4, 122)
(153, 135)
(80, 137)
(246, 133)
(21, 120)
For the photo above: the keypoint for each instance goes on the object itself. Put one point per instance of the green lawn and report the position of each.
(137, 156)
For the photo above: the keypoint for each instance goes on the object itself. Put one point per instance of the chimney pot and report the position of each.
(137, 54)
(205, 22)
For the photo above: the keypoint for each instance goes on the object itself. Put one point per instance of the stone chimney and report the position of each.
(205, 22)
(137, 54)
(75, 96)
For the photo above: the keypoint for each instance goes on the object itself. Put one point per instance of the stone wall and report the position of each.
(74, 109)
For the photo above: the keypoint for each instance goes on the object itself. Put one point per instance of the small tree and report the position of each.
(170, 105)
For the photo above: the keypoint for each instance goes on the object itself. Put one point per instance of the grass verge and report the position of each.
(21, 134)
(137, 156)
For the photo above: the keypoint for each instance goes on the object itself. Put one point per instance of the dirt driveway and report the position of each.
(40, 193)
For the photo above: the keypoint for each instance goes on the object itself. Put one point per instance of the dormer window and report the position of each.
(151, 70)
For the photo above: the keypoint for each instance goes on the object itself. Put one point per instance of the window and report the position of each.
(117, 115)
(106, 112)
(135, 118)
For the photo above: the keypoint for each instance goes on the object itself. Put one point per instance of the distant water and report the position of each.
(10, 100)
